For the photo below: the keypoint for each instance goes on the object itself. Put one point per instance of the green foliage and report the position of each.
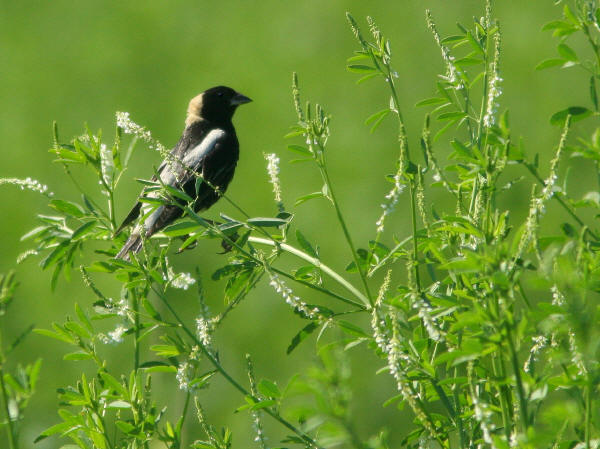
(486, 325)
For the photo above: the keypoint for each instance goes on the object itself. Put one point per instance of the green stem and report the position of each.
(272, 242)
(461, 430)
(183, 416)
(413, 210)
(136, 328)
(340, 217)
(317, 263)
(557, 197)
(518, 379)
(12, 440)
(498, 367)
(389, 255)
(588, 412)
(215, 362)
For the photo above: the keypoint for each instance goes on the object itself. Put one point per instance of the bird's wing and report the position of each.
(134, 213)
(189, 165)
(180, 172)
(185, 162)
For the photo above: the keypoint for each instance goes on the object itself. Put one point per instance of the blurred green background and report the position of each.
(78, 62)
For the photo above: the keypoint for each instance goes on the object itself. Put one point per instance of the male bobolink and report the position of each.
(208, 147)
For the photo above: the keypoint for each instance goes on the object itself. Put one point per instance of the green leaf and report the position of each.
(263, 404)
(165, 350)
(305, 244)
(359, 68)
(434, 100)
(455, 115)
(269, 389)
(556, 24)
(310, 196)
(547, 63)
(301, 336)
(178, 193)
(56, 335)
(125, 427)
(82, 230)
(57, 428)
(263, 222)
(158, 367)
(377, 118)
(377, 115)
(34, 232)
(567, 52)
(299, 149)
(475, 43)
(181, 228)
(453, 39)
(351, 329)
(367, 77)
(576, 113)
(68, 207)
(55, 255)
(569, 15)
(77, 356)
(119, 404)
(359, 57)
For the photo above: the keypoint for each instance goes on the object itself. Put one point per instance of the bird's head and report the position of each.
(216, 104)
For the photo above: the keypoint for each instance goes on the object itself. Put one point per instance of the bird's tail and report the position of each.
(132, 245)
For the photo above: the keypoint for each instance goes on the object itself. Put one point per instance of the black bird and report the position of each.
(208, 147)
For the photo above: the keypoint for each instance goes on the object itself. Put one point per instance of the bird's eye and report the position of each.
(220, 94)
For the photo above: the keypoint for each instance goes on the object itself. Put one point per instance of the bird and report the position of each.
(208, 147)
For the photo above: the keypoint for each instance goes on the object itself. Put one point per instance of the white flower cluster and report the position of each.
(120, 308)
(390, 205)
(107, 165)
(377, 321)
(26, 254)
(204, 329)
(558, 299)
(538, 202)
(182, 281)
(539, 343)
(178, 280)
(183, 376)
(494, 90)
(29, 184)
(273, 170)
(130, 127)
(292, 299)
(256, 414)
(115, 336)
(425, 313)
(452, 72)
(576, 355)
(483, 415)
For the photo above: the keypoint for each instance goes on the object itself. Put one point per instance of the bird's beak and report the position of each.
(239, 99)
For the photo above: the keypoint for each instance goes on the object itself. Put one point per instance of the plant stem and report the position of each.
(272, 242)
(317, 263)
(518, 379)
(413, 210)
(12, 440)
(498, 367)
(215, 362)
(136, 324)
(340, 217)
(588, 411)
(556, 196)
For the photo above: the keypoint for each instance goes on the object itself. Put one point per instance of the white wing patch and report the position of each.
(190, 161)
